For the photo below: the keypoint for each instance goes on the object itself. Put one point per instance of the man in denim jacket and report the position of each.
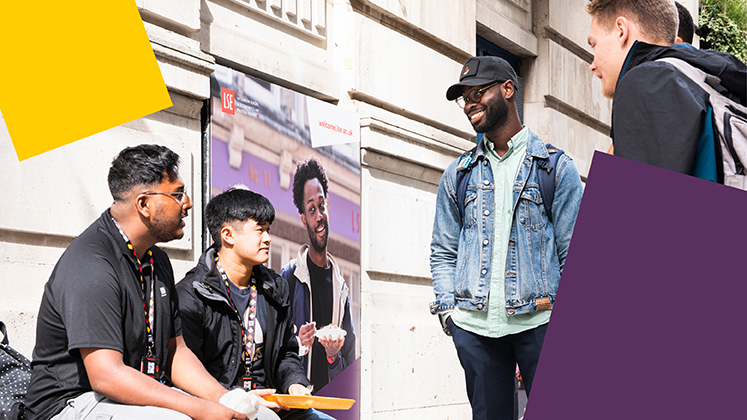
(496, 269)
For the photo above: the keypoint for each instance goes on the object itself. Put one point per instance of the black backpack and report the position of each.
(15, 374)
(546, 177)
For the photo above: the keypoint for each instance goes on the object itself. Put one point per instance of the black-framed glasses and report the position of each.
(473, 96)
(179, 196)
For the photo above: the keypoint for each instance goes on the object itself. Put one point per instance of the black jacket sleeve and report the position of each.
(657, 115)
(191, 312)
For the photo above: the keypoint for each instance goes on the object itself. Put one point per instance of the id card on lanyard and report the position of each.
(149, 363)
(247, 331)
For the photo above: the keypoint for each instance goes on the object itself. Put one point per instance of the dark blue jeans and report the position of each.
(308, 414)
(490, 366)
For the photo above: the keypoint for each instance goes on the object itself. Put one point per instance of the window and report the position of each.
(485, 47)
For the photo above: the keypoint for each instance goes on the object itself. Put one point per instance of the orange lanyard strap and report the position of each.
(149, 308)
(247, 332)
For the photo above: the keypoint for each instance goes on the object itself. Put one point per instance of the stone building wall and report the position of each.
(390, 61)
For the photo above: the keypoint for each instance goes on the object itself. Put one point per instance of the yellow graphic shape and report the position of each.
(74, 69)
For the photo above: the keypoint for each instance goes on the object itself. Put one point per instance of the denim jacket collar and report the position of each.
(461, 248)
(536, 147)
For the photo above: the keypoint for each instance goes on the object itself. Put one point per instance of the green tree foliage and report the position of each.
(723, 26)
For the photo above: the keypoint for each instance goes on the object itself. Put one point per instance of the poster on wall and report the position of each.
(304, 156)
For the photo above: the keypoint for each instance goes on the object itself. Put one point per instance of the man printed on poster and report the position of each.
(319, 294)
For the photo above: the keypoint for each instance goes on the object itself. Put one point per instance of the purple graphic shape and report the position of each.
(345, 385)
(649, 318)
(264, 178)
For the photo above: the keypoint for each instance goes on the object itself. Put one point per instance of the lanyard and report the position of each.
(149, 308)
(247, 334)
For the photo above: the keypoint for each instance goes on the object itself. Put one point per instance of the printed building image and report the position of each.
(387, 64)
(260, 134)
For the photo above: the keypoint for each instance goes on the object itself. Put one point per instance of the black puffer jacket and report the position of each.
(211, 328)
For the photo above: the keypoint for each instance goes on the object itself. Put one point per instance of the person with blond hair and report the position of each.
(659, 115)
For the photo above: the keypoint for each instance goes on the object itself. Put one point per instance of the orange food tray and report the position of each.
(303, 401)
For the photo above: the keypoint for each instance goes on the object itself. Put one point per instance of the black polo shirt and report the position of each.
(93, 299)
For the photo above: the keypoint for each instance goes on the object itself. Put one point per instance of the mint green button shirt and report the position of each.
(494, 322)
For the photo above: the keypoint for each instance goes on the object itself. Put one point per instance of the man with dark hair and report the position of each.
(659, 115)
(498, 249)
(236, 312)
(108, 339)
(319, 294)
(686, 28)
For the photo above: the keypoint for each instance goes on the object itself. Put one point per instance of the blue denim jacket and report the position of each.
(461, 254)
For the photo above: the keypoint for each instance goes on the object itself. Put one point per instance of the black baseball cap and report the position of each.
(478, 71)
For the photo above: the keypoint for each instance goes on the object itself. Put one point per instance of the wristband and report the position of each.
(332, 359)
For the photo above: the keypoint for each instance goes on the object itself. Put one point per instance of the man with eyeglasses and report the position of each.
(108, 339)
(497, 250)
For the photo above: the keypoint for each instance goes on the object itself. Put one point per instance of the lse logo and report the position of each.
(228, 101)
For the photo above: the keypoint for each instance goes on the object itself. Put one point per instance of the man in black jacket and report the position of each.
(659, 115)
(236, 314)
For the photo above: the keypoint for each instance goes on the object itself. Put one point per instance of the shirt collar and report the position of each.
(518, 141)
(123, 242)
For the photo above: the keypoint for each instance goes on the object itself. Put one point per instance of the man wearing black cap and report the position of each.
(505, 212)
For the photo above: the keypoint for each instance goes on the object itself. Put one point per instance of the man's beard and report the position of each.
(495, 115)
(165, 230)
(319, 245)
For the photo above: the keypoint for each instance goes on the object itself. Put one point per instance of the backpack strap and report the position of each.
(710, 83)
(739, 168)
(464, 171)
(546, 177)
